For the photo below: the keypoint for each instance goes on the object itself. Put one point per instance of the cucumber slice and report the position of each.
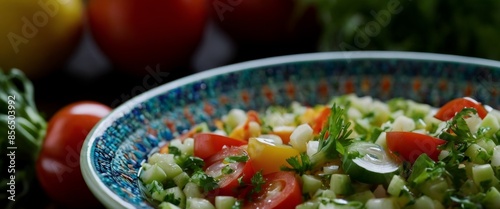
(369, 163)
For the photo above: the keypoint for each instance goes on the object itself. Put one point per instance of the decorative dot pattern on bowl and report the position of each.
(117, 149)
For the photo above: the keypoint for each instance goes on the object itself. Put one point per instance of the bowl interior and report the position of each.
(113, 152)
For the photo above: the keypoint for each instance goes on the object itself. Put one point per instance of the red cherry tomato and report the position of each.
(135, 34)
(229, 173)
(58, 165)
(448, 111)
(207, 144)
(410, 145)
(321, 120)
(281, 190)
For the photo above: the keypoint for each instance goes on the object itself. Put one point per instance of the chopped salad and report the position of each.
(356, 152)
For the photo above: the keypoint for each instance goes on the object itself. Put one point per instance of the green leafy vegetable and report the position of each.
(257, 182)
(300, 164)
(204, 181)
(236, 159)
(23, 128)
(333, 137)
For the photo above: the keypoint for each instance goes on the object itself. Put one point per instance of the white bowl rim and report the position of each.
(111, 200)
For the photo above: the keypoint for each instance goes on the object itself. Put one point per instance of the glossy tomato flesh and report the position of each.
(58, 165)
(280, 190)
(207, 144)
(451, 108)
(410, 145)
(135, 34)
(229, 182)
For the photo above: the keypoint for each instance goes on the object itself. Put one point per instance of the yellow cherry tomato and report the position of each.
(267, 156)
(39, 35)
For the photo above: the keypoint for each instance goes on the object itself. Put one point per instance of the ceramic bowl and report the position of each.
(113, 151)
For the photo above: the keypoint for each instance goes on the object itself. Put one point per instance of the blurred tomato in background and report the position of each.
(135, 34)
(39, 36)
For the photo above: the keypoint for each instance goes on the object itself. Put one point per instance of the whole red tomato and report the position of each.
(58, 165)
(264, 21)
(135, 34)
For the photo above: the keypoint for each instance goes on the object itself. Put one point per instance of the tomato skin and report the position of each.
(410, 145)
(229, 183)
(321, 120)
(448, 110)
(135, 34)
(289, 196)
(207, 144)
(58, 165)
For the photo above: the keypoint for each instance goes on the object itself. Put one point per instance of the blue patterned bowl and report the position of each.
(113, 151)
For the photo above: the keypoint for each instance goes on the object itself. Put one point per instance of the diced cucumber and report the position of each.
(340, 184)
(382, 140)
(417, 110)
(495, 158)
(167, 163)
(469, 188)
(181, 180)
(364, 159)
(167, 205)
(234, 118)
(325, 203)
(381, 112)
(396, 185)
(435, 188)
(492, 199)
(312, 148)
(329, 194)
(173, 195)
(192, 190)
(491, 122)
(484, 176)
(308, 205)
(300, 136)
(224, 202)
(473, 123)
(427, 203)
(188, 146)
(310, 184)
(487, 144)
(153, 173)
(382, 203)
(198, 203)
(477, 154)
(363, 196)
(403, 123)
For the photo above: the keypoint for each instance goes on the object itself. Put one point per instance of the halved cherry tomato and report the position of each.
(321, 120)
(448, 111)
(410, 145)
(207, 144)
(281, 190)
(229, 173)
